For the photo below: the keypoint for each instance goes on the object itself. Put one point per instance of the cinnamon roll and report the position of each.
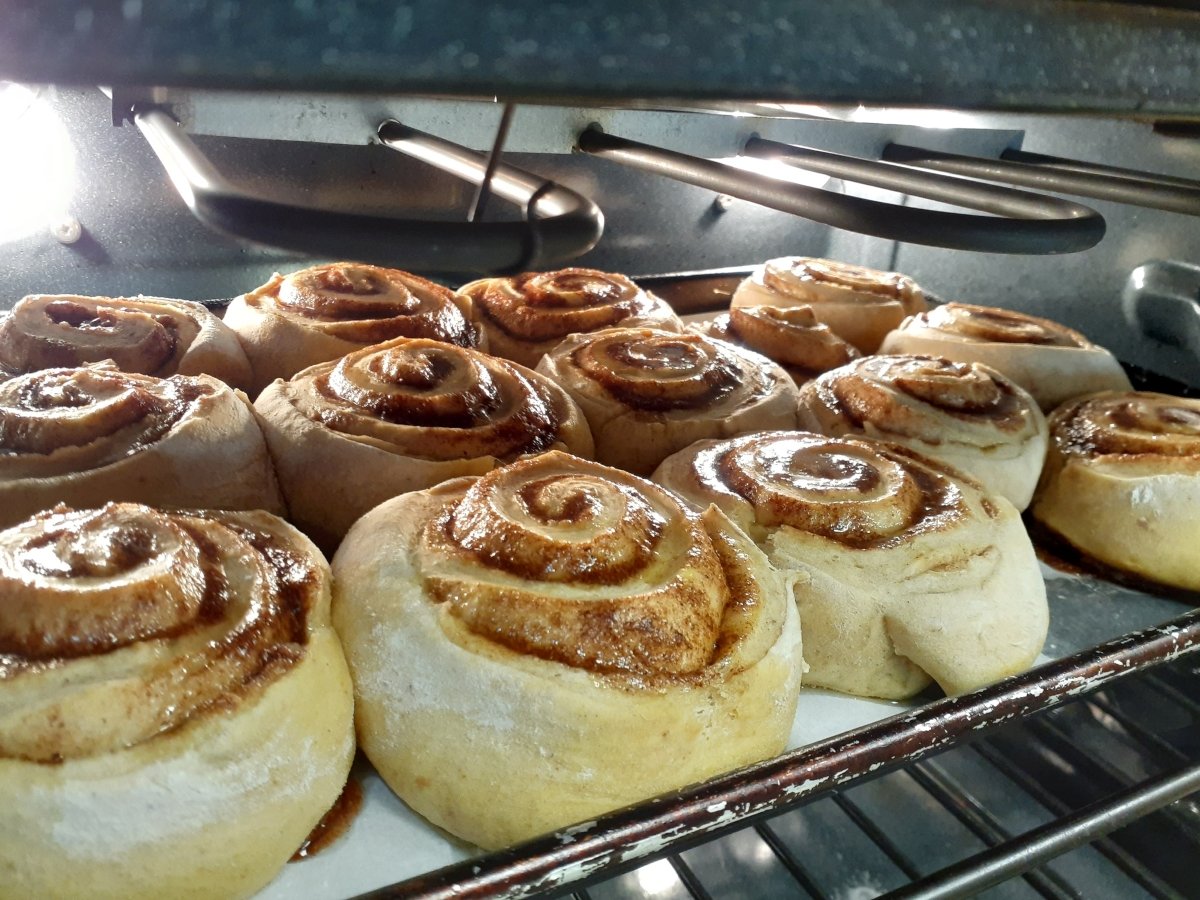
(556, 639)
(175, 709)
(964, 414)
(790, 336)
(323, 312)
(649, 393)
(89, 435)
(858, 304)
(904, 570)
(525, 316)
(1054, 363)
(1122, 483)
(403, 416)
(147, 335)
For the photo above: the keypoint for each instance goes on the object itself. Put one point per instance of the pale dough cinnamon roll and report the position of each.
(525, 316)
(859, 304)
(649, 393)
(791, 336)
(323, 312)
(402, 416)
(1054, 363)
(905, 570)
(175, 709)
(89, 435)
(965, 414)
(148, 335)
(557, 639)
(1122, 483)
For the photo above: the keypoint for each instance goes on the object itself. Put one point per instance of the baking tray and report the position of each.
(1102, 627)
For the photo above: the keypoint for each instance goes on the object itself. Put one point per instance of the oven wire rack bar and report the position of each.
(675, 822)
(1023, 222)
(558, 223)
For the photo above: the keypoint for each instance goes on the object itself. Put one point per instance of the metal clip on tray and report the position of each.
(1022, 222)
(559, 224)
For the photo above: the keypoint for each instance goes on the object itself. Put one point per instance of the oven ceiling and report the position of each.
(1050, 55)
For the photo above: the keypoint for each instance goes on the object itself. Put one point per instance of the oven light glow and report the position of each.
(776, 169)
(657, 878)
(37, 163)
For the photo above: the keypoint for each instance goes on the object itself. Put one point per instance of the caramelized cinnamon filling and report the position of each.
(569, 561)
(106, 413)
(866, 392)
(791, 336)
(790, 276)
(1129, 424)
(182, 610)
(432, 400)
(138, 334)
(547, 305)
(859, 493)
(658, 371)
(369, 304)
(986, 323)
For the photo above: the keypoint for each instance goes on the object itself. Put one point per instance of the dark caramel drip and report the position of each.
(334, 823)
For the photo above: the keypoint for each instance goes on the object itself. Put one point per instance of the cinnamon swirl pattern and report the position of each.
(964, 414)
(904, 570)
(860, 305)
(557, 639)
(323, 312)
(93, 434)
(1122, 483)
(525, 316)
(1054, 363)
(175, 709)
(147, 335)
(402, 416)
(649, 393)
(790, 336)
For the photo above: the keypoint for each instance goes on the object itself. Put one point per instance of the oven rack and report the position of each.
(986, 811)
(557, 223)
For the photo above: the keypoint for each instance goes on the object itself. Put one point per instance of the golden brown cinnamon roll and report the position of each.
(89, 435)
(148, 335)
(557, 639)
(904, 570)
(860, 305)
(1054, 363)
(1122, 483)
(964, 414)
(323, 312)
(649, 393)
(175, 709)
(403, 416)
(790, 336)
(525, 316)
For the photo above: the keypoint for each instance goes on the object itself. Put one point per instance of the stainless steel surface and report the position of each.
(1052, 226)
(1162, 300)
(559, 223)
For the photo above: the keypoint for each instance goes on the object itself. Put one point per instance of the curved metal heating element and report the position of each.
(560, 224)
(1067, 176)
(1028, 223)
